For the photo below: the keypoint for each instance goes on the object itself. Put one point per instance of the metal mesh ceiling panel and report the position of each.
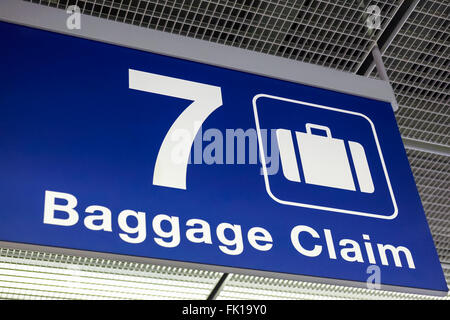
(432, 175)
(332, 34)
(418, 65)
(329, 33)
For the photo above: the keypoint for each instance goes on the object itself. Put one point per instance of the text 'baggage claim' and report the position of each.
(99, 218)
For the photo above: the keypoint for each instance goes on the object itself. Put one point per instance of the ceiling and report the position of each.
(414, 38)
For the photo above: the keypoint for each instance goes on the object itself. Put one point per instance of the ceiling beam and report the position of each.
(426, 147)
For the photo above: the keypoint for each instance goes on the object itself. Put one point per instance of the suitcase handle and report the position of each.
(319, 127)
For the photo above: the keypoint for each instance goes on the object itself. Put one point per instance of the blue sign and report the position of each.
(114, 150)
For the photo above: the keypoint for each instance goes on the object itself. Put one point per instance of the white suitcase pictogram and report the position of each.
(324, 160)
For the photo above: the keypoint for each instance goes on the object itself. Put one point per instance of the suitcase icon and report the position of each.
(324, 160)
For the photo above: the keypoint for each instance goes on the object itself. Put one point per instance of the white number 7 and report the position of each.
(206, 98)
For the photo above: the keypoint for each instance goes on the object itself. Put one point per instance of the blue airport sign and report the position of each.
(114, 150)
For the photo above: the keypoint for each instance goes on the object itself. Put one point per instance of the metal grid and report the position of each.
(331, 34)
(418, 65)
(432, 176)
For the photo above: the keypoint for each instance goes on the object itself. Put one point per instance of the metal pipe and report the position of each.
(382, 71)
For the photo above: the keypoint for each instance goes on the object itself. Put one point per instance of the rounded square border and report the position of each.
(305, 205)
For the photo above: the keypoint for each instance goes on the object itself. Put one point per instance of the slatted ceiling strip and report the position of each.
(86, 278)
(252, 287)
(112, 281)
(37, 275)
